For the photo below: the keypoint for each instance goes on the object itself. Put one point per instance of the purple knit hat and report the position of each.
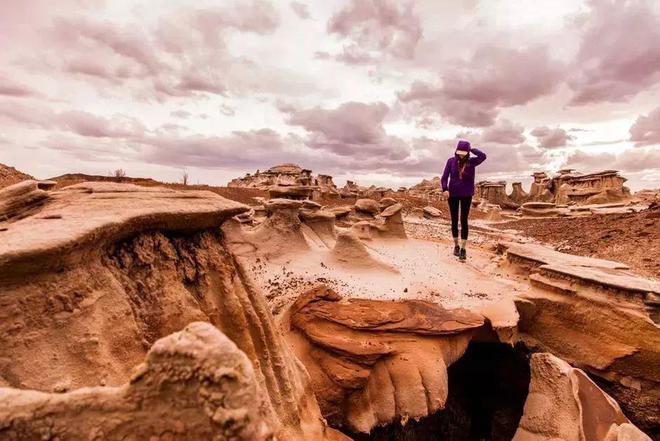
(463, 145)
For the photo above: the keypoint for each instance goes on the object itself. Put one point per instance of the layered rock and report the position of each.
(279, 175)
(349, 251)
(102, 271)
(289, 181)
(542, 209)
(593, 188)
(374, 362)
(595, 314)
(22, 199)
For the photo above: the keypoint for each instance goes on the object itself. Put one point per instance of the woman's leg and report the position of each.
(465, 213)
(453, 211)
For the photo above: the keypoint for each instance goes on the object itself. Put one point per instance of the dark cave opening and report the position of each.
(487, 391)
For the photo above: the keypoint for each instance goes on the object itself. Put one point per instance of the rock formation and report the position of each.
(386, 202)
(425, 187)
(594, 314)
(494, 193)
(563, 403)
(542, 209)
(289, 181)
(539, 190)
(491, 212)
(280, 232)
(10, 176)
(374, 362)
(431, 212)
(594, 188)
(99, 273)
(393, 226)
(322, 222)
(194, 384)
(368, 206)
(351, 190)
(22, 199)
(518, 195)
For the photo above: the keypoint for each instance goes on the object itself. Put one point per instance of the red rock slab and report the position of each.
(410, 316)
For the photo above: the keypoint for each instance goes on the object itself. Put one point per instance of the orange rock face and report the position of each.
(374, 362)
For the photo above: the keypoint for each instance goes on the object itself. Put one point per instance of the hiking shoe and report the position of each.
(457, 250)
(462, 254)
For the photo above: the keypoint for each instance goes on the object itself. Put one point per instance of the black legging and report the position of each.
(465, 203)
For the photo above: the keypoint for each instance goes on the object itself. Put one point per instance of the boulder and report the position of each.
(368, 206)
(386, 202)
(431, 212)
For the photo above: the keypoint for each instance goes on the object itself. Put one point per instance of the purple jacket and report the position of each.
(461, 187)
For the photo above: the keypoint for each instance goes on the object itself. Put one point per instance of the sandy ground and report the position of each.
(422, 267)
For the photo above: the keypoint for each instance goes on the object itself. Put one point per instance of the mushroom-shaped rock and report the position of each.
(280, 233)
(194, 384)
(394, 221)
(387, 202)
(431, 212)
(322, 223)
(518, 195)
(340, 212)
(369, 206)
(273, 205)
(563, 403)
(290, 191)
(310, 205)
(392, 210)
(374, 362)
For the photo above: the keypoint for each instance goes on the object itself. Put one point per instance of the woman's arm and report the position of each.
(445, 175)
(479, 157)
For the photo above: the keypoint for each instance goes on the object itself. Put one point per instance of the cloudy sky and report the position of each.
(372, 90)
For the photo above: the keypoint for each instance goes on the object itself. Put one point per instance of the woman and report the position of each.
(458, 179)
